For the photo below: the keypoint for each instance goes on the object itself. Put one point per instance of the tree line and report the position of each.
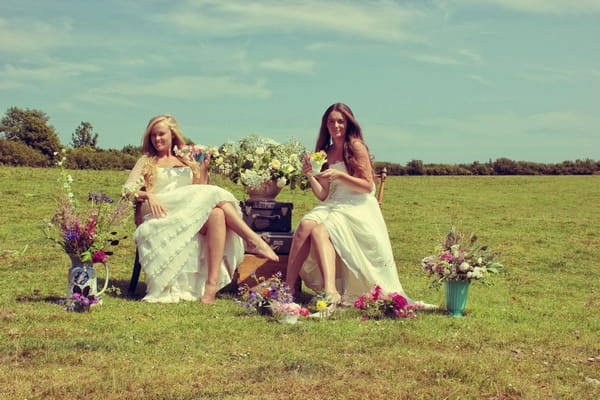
(29, 140)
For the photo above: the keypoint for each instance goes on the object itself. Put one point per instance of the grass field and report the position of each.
(535, 335)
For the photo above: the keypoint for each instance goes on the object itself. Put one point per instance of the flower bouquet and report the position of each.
(317, 159)
(84, 232)
(194, 152)
(376, 305)
(259, 298)
(80, 300)
(461, 258)
(287, 313)
(254, 160)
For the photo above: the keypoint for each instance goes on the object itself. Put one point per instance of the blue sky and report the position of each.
(439, 81)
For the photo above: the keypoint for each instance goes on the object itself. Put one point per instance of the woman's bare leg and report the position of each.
(299, 250)
(326, 260)
(215, 232)
(254, 243)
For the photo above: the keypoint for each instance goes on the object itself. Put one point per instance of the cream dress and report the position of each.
(360, 237)
(172, 252)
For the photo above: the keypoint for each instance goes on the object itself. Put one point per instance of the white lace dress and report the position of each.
(173, 253)
(360, 237)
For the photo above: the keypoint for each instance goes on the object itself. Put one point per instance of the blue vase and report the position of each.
(456, 297)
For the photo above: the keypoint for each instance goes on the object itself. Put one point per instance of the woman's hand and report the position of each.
(156, 207)
(331, 175)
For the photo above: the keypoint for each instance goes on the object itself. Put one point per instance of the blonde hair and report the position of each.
(150, 153)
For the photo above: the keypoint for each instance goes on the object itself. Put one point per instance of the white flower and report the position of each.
(464, 266)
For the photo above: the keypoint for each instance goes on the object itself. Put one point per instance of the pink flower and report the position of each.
(304, 311)
(98, 257)
(447, 257)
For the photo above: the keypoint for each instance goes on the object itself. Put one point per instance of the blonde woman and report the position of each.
(192, 236)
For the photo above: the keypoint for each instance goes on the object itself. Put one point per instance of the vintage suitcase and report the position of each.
(265, 215)
(280, 242)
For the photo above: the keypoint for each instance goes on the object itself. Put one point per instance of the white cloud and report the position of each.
(185, 87)
(381, 20)
(559, 7)
(511, 124)
(434, 59)
(53, 71)
(303, 66)
(23, 36)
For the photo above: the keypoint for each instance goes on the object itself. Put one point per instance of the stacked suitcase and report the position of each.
(272, 220)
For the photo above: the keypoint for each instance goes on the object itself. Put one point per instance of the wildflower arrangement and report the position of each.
(84, 232)
(254, 160)
(460, 257)
(80, 300)
(268, 291)
(317, 159)
(376, 305)
(194, 152)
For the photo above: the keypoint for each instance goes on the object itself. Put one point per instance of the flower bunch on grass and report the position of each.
(85, 231)
(80, 300)
(254, 160)
(460, 257)
(282, 311)
(376, 305)
(267, 291)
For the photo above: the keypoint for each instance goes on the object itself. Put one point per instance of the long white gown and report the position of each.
(172, 252)
(360, 237)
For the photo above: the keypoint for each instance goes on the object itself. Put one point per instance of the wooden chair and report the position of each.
(382, 177)
(137, 267)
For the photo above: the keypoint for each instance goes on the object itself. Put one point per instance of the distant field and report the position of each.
(536, 334)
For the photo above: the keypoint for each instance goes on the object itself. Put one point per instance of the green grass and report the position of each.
(536, 334)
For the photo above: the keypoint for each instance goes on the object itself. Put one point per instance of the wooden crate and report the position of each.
(261, 267)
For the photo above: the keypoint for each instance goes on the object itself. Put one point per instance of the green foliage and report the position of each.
(535, 335)
(84, 136)
(90, 158)
(19, 154)
(31, 128)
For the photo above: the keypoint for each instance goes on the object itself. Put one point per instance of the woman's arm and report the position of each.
(134, 189)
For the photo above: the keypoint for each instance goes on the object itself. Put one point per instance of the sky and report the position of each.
(442, 81)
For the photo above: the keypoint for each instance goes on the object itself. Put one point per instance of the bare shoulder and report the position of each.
(359, 147)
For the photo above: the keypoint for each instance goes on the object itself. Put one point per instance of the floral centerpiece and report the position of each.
(254, 160)
(461, 258)
(376, 305)
(84, 232)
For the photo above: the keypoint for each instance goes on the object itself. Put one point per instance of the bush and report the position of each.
(17, 153)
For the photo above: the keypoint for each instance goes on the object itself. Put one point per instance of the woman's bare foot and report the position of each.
(210, 293)
(261, 249)
(334, 298)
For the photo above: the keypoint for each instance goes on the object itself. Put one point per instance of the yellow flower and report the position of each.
(321, 305)
(275, 164)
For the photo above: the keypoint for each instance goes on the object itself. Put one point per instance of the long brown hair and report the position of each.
(148, 149)
(353, 133)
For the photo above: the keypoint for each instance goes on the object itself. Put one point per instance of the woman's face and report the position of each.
(161, 138)
(336, 124)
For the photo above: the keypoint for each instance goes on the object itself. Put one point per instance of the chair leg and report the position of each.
(135, 275)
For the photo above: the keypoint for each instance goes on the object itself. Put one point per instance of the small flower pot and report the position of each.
(456, 297)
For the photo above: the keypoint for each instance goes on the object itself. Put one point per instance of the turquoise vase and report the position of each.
(456, 297)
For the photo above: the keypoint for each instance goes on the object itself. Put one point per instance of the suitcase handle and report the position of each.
(266, 216)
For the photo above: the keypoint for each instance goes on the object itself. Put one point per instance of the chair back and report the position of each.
(382, 177)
